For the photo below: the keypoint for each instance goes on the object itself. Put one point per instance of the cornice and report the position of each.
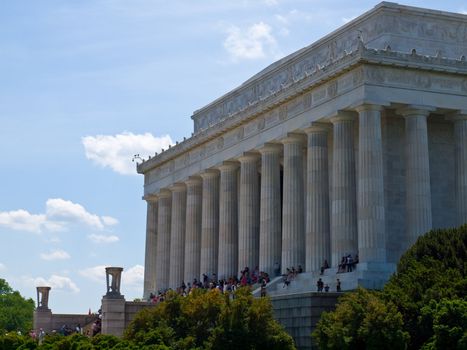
(321, 74)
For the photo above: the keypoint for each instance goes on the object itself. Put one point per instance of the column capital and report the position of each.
(365, 107)
(228, 165)
(342, 116)
(177, 187)
(293, 138)
(150, 198)
(209, 173)
(457, 115)
(415, 111)
(270, 148)
(317, 127)
(248, 156)
(164, 193)
(194, 180)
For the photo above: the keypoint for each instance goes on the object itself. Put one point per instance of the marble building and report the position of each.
(356, 144)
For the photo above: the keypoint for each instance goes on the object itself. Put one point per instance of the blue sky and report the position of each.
(86, 84)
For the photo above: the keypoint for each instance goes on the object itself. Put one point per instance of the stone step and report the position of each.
(306, 282)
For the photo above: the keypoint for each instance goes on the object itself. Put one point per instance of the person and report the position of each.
(41, 336)
(324, 266)
(263, 288)
(338, 286)
(320, 285)
(326, 288)
(300, 269)
(349, 263)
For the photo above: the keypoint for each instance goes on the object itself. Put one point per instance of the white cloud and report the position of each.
(131, 277)
(57, 208)
(109, 221)
(2, 267)
(103, 238)
(255, 42)
(117, 151)
(59, 213)
(55, 255)
(96, 273)
(22, 220)
(61, 283)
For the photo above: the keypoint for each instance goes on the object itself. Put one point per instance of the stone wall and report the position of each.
(299, 313)
(49, 322)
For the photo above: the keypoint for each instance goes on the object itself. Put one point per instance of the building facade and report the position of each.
(356, 144)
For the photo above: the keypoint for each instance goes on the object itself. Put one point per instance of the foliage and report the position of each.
(210, 320)
(203, 320)
(361, 321)
(15, 311)
(424, 299)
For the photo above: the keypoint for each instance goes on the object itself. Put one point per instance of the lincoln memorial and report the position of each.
(356, 144)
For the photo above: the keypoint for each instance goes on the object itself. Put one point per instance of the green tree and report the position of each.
(425, 299)
(362, 320)
(209, 320)
(448, 319)
(16, 312)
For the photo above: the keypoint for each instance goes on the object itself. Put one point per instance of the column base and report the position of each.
(373, 275)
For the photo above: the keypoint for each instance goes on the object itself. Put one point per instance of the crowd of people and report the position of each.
(226, 285)
(347, 263)
(290, 275)
(325, 287)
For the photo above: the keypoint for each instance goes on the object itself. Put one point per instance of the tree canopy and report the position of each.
(210, 320)
(423, 306)
(203, 320)
(16, 312)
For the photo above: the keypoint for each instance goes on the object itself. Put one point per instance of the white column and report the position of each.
(460, 135)
(248, 221)
(418, 188)
(270, 235)
(343, 203)
(210, 222)
(193, 228)
(177, 238)
(228, 220)
(151, 244)
(318, 229)
(370, 197)
(164, 214)
(293, 231)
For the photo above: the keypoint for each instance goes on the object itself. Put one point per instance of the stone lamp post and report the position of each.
(42, 313)
(113, 303)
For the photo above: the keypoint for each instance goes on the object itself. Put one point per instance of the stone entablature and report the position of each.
(360, 71)
(402, 27)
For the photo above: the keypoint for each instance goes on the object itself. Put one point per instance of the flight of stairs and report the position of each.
(306, 282)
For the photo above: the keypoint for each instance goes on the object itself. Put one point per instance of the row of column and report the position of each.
(202, 227)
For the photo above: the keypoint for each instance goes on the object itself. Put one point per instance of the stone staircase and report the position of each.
(306, 282)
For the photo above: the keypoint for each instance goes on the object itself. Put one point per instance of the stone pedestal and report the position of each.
(42, 319)
(113, 315)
